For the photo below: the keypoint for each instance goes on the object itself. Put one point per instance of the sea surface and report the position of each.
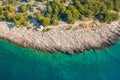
(18, 63)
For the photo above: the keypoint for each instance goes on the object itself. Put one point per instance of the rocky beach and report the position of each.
(60, 39)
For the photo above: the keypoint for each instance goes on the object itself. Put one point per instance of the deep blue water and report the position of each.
(18, 63)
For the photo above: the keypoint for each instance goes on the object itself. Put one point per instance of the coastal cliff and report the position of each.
(60, 39)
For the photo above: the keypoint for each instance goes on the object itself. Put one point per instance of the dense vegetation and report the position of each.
(22, 12)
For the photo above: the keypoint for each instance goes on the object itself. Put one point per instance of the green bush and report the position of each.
(108, 17)
(46, 30)
(23, 8)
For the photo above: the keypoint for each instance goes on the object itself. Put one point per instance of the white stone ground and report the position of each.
(59, 38)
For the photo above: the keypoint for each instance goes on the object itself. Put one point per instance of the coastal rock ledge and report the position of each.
(60, 39)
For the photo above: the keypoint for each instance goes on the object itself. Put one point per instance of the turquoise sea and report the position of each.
(18, 63)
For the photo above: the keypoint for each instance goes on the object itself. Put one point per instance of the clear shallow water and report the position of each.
(25, 64)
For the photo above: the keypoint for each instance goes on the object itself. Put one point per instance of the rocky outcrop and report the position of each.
(60, 39)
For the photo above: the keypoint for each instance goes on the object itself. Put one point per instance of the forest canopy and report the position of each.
(21, 12)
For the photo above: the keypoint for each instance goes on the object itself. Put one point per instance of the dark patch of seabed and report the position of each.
(18, 63)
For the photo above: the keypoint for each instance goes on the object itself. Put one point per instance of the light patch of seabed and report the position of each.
(18, 63)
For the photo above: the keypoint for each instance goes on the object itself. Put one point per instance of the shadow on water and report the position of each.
(18, 63)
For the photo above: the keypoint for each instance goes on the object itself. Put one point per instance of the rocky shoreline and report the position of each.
(60, 39)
